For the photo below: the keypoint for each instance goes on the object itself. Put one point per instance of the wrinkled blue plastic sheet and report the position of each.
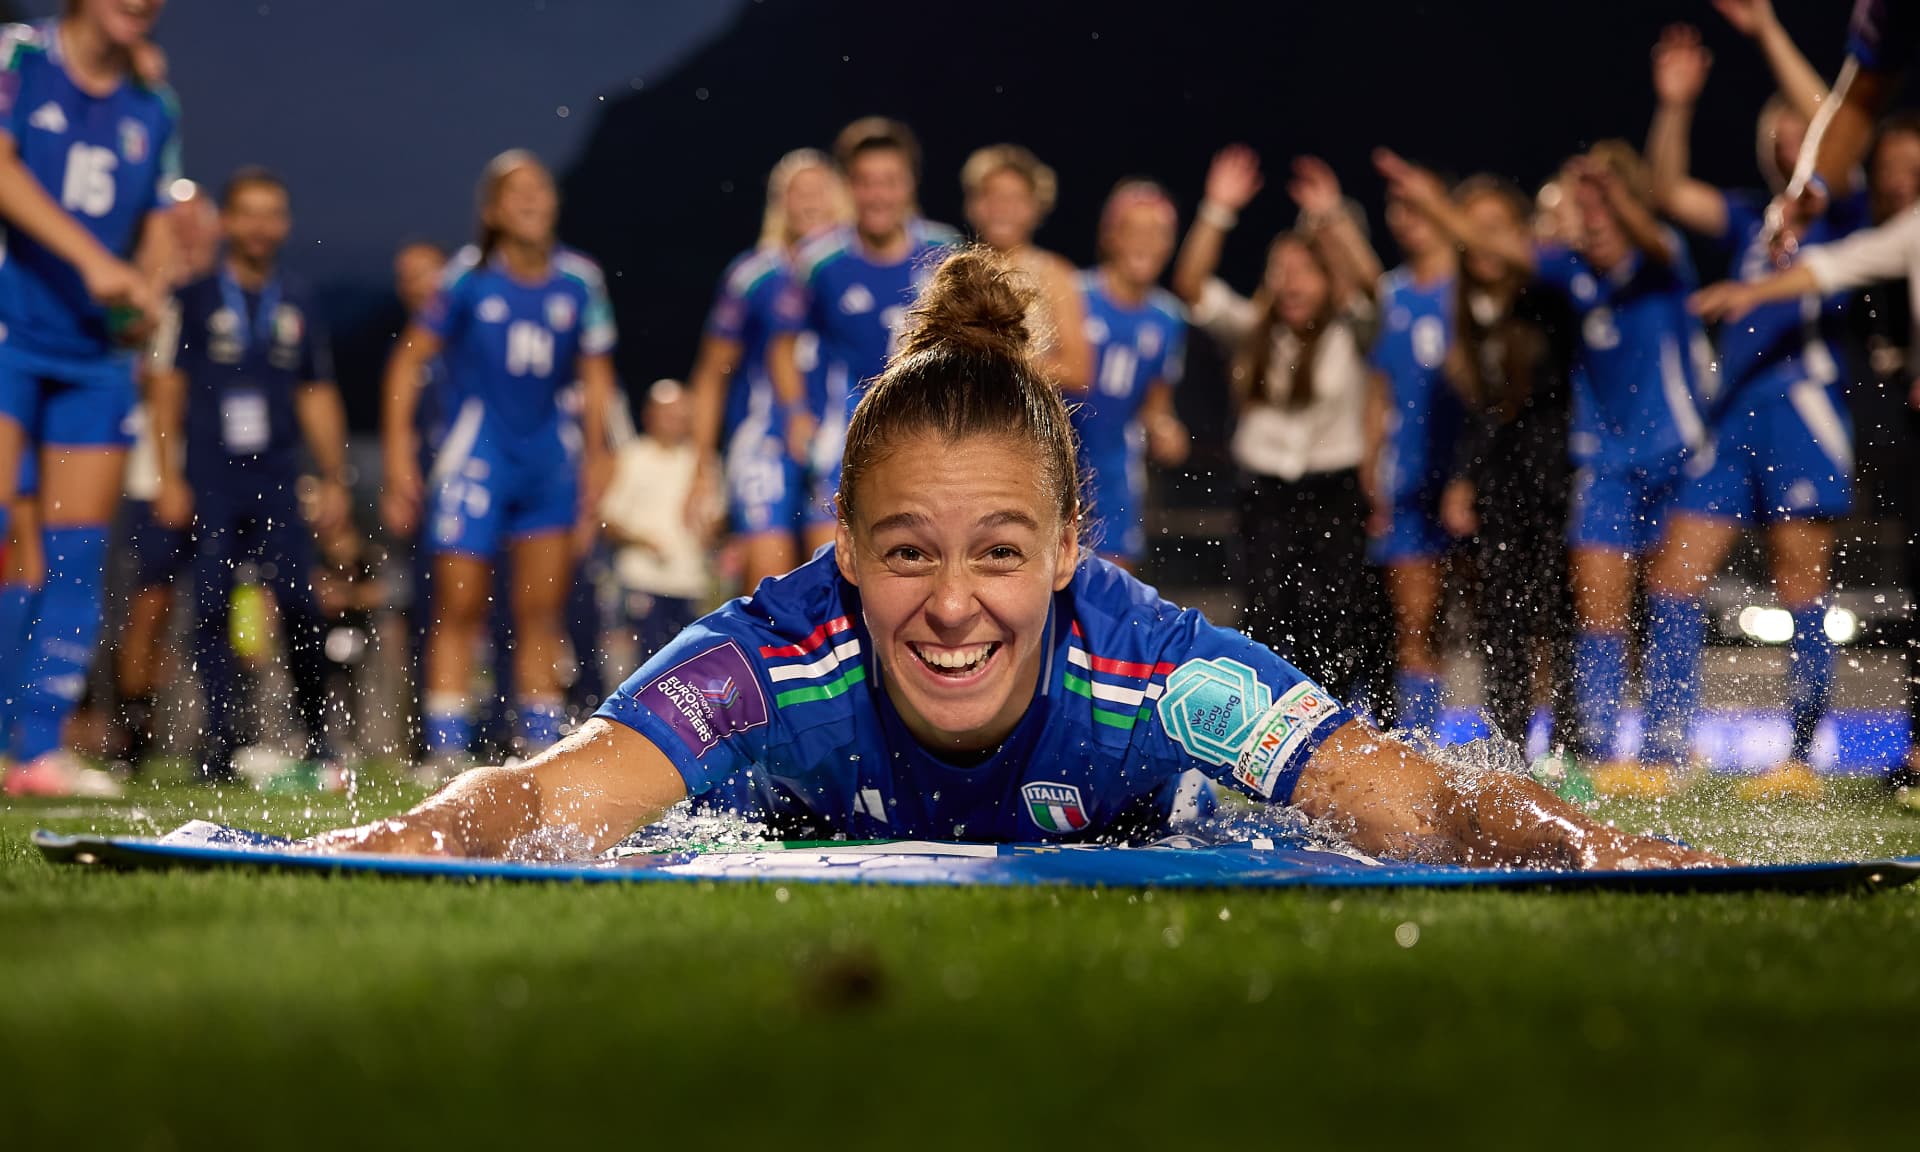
(1278, 862)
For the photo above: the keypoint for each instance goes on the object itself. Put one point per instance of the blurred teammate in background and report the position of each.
(248, 377)
(1511, 361)
(1138, 334)
(89, 152)
(158, 553)
(1008, 195)
(855, 284)
(658, 520)
(737, 414)
(1299, 383)
(519, 318)
(1413, 422)
(1781, 449)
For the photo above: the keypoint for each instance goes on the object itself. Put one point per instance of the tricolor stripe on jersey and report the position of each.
(817, 668)
(1123, 692)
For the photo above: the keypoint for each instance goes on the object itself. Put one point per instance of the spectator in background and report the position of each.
(158, 553)
(1782, 442)
(736, 411)
(855, 284)
(1511, 361)
(1008, 195)
(1413, 422)
(1299, 383)
(245, 374)
(659, 522)
(519, 318)
(1138, 334)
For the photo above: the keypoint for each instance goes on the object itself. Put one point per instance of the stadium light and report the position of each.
(1767, 625)
(1842, 626)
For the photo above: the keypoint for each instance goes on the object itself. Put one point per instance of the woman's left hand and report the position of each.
(1728, 301)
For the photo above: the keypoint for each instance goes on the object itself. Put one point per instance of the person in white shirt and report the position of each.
(1300, 382)
(660, 534)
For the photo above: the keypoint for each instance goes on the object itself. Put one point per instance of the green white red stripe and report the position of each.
(1123, 692)
(820, 667)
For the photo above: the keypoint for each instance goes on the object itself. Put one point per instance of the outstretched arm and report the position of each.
(1317, 191)
(578, 798)
(1680, 66)
(1796, 79)
(1423, 190)
(1387, 799)
(1232, 181)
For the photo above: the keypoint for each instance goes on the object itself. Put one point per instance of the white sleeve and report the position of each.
(1882, 253)
(1223, 313)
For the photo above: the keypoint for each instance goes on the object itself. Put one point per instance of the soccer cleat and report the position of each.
(1633, 780)
(1794, 780)
(59, 773)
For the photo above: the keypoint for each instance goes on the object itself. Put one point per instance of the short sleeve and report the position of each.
(1237, 711)
(728, 318)
(1173, 365)
(598, 334)
(445, 314)
(703, 700)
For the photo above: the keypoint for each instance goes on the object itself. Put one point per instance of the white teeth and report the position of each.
(955, 658)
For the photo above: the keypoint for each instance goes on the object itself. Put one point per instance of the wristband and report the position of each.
(1218, 215)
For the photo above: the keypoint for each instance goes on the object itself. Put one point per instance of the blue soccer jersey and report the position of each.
(107, 160)
(1134, 347)
(856, 305)
(1783, 343)
(1642, 355)
(775, 708)
(244, 355)
(755, 303)
(1424, 414)
(513, 346)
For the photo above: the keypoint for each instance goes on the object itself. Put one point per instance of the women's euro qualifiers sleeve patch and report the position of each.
(708, 697)
(1222, 713)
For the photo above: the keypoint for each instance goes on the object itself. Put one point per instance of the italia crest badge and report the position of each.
(1055, 807)
(133, 141)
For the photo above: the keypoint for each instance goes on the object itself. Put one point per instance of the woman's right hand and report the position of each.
(1680, 66)
(400, 498)
(1233, 179)
(399, 836)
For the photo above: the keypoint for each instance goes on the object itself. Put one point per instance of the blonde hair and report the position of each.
(1010, 158)
(773, 224)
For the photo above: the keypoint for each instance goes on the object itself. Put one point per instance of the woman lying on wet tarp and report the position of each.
(955, 668)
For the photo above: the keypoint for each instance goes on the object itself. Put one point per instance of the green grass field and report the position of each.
(208, 1010)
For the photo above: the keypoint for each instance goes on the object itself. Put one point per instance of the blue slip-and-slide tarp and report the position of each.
(1181, 862)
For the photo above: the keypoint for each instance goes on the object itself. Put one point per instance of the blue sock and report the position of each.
(16, 600)
(1676, 631)
(59, 646)
(449, 724)
(1418, 697)
(1599, 680)
(537, 722)
(1809, 676)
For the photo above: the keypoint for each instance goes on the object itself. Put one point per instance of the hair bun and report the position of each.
(976, 302)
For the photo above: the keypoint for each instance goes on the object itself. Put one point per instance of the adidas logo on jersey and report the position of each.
(856, 300)
(48, 118)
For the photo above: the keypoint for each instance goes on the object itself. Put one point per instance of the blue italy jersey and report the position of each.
(755, 304)
(775, 707)
(1425, 413)
(1643, 357)
(856, 306)
(1134, 348)
(107, 160)
(511, 347)
(1780, 344)
(244, 354)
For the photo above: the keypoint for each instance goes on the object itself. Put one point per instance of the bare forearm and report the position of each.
(1199, 257)
(323, 421)
(27, 206)
(1353, 258)
(1849, 129)
(166, 403)
(716, 364)
(484, 812)
(1792, 74)
(1669, 149)
(399, 398)
(783, 365)
(1515, 251)
(597, 382)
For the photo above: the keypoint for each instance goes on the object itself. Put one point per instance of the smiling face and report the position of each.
(810, 202)
(256, 222)
(958, 548)
(124, 23)
(525, 205)
(1004, 210)
(1297, 283)
(1139, 242)
(881, 183)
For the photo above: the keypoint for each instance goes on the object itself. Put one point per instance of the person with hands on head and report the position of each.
(519, 318)
(245, 365)
(1781, 439)
(1138, 332)
(956, 667)
(738, 419)
(89, 150)
(1510, 360)
(1299, 383)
